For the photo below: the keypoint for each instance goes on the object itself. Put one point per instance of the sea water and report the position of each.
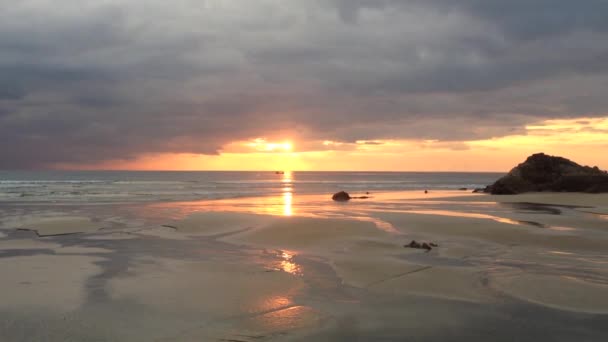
(146, 186)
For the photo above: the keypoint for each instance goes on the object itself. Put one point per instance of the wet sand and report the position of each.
(527, 267)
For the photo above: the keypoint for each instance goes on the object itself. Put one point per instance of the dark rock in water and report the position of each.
(479, 190)
(463, 189)
(541, 172)
(341, 196)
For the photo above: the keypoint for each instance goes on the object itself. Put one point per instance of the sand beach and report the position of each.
(266, 269)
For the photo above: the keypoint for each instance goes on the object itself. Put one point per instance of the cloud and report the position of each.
(87, 81)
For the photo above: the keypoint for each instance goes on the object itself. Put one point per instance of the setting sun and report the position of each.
(284, 146)
(262, 145)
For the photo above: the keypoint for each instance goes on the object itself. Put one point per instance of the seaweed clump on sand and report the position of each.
(421, 245)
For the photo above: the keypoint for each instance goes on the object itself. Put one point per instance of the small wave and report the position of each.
(134, 186)
(122, 182)
(38, 181)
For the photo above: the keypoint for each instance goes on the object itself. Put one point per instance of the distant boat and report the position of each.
(279, 173)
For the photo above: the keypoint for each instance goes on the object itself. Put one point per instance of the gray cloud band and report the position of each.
(86, 82)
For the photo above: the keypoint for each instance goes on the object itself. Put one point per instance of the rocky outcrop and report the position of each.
(541, 172)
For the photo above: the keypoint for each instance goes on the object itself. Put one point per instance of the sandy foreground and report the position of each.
(526, 267)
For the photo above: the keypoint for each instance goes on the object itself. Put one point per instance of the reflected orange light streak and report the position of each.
(288, 265)
(465, 214)
(287, 177)
(562, 229)
(287, 193)
(287, 204)
(271, 303)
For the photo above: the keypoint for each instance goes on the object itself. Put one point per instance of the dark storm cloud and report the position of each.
(85, 82)
(9, 91)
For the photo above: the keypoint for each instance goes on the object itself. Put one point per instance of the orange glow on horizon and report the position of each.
(583, 140)
(260, 144)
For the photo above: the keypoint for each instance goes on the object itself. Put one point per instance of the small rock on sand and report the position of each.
(341, 196)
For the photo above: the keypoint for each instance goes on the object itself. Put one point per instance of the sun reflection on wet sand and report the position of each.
(459, 214)
(274, 303)
(287, 204)
(288, 265)
(562, 229)
(295, 317)
(380, 224)
(560, 253)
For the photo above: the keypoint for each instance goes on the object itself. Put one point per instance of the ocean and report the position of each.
(146, 186)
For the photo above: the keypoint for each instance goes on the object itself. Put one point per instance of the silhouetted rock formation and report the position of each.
(341, 196)
(541, 172)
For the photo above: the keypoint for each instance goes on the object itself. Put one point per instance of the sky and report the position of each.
(410, 85)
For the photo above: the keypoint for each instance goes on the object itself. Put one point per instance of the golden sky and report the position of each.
(584, 140)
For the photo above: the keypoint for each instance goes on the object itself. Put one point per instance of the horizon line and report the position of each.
(191, 170)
